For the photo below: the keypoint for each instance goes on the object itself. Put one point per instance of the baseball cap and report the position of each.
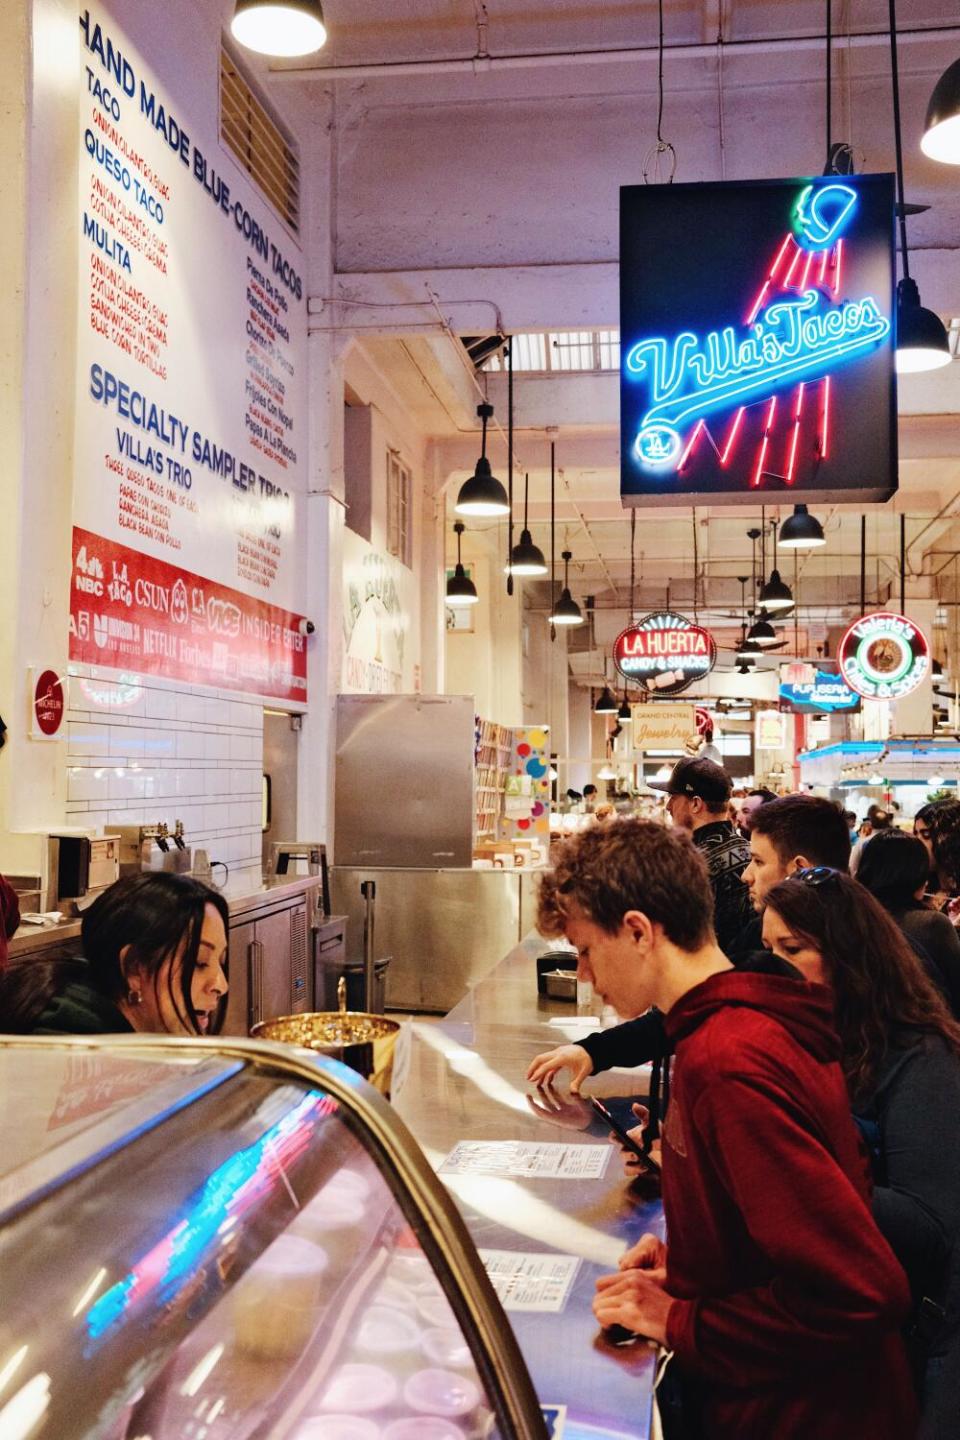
(696, 776)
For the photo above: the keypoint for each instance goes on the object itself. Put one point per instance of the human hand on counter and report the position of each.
(567, 1110)
(635, 1300)
(649, 1254)
(631, 1165)
(566, 1057)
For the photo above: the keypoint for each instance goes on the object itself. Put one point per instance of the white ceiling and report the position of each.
(424, 150)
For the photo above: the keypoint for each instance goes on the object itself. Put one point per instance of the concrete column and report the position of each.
(913, 715)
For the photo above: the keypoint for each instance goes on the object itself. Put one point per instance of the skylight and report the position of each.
(562, 352)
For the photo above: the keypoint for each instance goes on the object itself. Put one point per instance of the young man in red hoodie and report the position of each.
(776, 1291)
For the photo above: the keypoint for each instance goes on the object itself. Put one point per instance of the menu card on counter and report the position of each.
(523, 1158)
(530, 1282)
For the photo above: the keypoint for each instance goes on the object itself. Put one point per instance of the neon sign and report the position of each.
(806, 690)
(773, 357)
(664, 652)
(884, 656)
(794, 339)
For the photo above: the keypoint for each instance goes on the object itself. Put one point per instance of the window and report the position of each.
(256, 140)
(571, 352)
(399, 484)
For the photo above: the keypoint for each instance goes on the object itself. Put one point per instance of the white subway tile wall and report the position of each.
(141, 750)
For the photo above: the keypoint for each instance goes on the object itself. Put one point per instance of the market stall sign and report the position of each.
(884, 656)
(805, 690)
(771, 730)
(662, 727)
(664, 652)
(762, 355)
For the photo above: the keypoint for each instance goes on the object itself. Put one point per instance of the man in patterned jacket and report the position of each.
(699, 802)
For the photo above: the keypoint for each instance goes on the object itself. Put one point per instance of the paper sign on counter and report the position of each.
(519, 1157)
(531, 1282)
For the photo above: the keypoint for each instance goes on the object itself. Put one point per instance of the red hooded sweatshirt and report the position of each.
(788, 1298)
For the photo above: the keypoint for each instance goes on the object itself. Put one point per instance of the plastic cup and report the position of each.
(337, 1427)
(358, 1389)
(444, 1346)
(441, 1392)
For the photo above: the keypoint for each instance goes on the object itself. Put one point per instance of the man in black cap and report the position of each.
(699, 801)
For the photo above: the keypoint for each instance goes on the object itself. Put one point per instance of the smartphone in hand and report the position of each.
(647, 1162)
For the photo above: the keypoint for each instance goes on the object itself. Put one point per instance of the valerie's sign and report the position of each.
(756, 336)
(664, 652)
(884, 656)
(805, 690)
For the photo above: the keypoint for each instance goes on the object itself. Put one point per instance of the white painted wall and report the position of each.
(177, 751)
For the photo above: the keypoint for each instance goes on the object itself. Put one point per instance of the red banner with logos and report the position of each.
(132, 612)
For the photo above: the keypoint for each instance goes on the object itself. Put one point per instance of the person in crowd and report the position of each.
(895, 869)
(698, 801)
(851, 819)
(789, 834)
(944, 827)
(877, 818)
(589, 798)
(777, 1294)
(750, 803)
(900, 1053)
(155, 948)
(921, 825)
(9, 917)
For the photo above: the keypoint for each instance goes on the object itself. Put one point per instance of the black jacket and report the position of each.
(727, 855)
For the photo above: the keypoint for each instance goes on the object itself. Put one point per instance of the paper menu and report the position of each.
(529, 1159)
(530, 1282)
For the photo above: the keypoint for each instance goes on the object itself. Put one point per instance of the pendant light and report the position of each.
(941, 130)
(460, 588)
(775, 594)
(747, 651)
(279, 27)
(483, 493)
(607, 703)
(762, 633)
(922, 342)
(625, 713)
(525, 557)
(801, 531)
(566, 611)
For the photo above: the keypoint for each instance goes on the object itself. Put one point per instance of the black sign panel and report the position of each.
(757, 335)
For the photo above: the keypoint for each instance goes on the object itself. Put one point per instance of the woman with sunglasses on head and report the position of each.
(900, 1053)
(155, 948)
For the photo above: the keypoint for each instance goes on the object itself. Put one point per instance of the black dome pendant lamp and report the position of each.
(525, 557)
(460, 588)
(566, 611)
(483, 494)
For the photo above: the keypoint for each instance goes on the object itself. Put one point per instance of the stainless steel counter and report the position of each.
(466, 1082)
(243, 894)
(441, 928)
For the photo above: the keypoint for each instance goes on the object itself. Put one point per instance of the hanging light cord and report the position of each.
(510, 466)
(660, 77)
(553, 538)
(895, 76)
(829, 76)
(633, 564)
(696, 568)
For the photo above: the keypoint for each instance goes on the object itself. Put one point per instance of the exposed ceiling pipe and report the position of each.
(482, 64)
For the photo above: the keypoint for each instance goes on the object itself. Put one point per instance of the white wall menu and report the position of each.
(191, 416)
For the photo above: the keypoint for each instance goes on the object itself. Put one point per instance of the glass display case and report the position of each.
(208, 1240)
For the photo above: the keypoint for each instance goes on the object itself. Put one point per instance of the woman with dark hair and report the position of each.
(895, 868)
(944, 827)
(155, 948)
(900, 1052)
